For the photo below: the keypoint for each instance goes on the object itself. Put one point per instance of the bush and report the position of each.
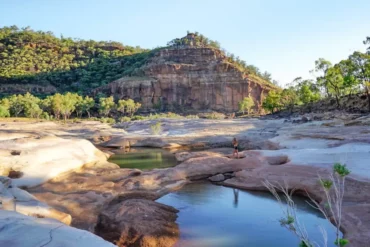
(156, 128)
(4, 112)
(107, 120)
(124, 119)
(45, 116)
(173, 115)
(137, 118)
(192, 117)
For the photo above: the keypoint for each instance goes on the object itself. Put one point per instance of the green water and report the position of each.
(143, 158)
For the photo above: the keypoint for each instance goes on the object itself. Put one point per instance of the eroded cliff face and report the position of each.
(188, 78)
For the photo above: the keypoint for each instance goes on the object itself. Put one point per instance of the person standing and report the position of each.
(236, 151)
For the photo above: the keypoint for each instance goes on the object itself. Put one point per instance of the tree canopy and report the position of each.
(349, 76)
(37, 57)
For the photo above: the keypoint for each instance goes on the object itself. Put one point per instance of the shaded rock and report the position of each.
(15, 199)
(139, 222)
(304, 119)
(217, 178)
(18, 230)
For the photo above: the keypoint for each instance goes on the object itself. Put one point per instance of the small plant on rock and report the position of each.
(156, 128)
(333, 187)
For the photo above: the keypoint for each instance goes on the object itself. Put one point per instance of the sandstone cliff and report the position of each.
(188, 77)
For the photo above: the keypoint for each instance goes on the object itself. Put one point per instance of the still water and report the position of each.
(143, 158)
(217, 216)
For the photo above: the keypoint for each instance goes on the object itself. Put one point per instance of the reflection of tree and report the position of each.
(143, 158)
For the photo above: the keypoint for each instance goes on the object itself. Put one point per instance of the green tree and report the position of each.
(106, 105)
(55, 102)
(322, 65)
(32, 110)
(289, 98)
(246, 105)
(360, 64)
(122, 105)
(16, 105)
(68, 104)
(308, 92)
(335, 82)
(4, 112)
(84, 105)
(272, 101)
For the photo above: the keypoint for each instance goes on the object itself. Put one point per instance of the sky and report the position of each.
(282, 37)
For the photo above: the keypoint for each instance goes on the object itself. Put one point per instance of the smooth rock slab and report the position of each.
(18, 230)
(39, 160)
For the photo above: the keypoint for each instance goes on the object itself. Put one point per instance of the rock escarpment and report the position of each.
(189, 77)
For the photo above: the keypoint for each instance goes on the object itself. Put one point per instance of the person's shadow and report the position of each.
(236, 197)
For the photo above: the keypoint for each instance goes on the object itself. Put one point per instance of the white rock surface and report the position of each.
(15, 199)
(42, 159)
(18, 230)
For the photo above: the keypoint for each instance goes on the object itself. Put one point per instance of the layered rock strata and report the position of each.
(197, 78)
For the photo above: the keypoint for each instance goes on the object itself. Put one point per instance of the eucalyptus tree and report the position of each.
(360, 64)
(322, 65)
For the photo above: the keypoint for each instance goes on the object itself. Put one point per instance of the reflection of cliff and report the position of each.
(188, 77)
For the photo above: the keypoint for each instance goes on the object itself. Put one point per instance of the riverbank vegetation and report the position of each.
(63, 106)
(332, 81)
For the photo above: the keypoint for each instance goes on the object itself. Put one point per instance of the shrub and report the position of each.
(156, 128)
(45, 116)
(137, 118)
(124, 119)
(192, 117)
(4, 112)
(333, 188)
(212, 115)
(107, 120)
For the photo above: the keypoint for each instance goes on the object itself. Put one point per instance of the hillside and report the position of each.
(45, 63)
(192, 71)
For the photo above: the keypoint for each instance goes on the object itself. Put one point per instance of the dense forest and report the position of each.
(37, 57)
(333, 81)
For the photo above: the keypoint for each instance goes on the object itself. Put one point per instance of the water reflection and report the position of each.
(216, 216)
(236, 196)
(143, 158)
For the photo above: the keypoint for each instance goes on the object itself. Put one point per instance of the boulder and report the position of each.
(217, 178)
(139, 222)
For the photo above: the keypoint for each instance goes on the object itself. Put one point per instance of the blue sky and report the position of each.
(283, 37)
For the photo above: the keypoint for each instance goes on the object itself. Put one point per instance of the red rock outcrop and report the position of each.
(139, 222)
(188, 77)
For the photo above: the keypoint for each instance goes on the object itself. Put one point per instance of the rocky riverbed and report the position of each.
(57, 173)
